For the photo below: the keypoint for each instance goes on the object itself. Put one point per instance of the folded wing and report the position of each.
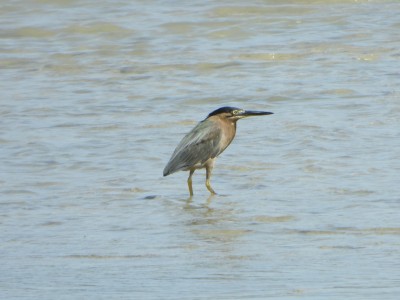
(199, 145)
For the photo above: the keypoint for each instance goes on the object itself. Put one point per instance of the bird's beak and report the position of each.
(249, 113)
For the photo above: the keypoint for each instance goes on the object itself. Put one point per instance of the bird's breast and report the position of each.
(228, 133)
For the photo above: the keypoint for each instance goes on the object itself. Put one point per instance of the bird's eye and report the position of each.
(235, 112)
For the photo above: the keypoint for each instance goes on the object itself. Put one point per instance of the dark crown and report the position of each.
(221, 110)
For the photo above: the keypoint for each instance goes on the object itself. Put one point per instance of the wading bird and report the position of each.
(208, 139)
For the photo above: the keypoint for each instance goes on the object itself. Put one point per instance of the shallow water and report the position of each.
(97, 94)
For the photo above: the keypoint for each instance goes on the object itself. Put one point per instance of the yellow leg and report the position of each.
(208, 185)
(208, 176)
(189, 181)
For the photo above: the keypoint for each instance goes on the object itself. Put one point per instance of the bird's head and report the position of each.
(234, 113)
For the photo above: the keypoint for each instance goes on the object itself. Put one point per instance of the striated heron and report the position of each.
(208, 139)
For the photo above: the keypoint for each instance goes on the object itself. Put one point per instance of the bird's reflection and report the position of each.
(210, 197)
(206, 205)
(209, 211)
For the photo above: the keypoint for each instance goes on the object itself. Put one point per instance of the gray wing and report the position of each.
(199, 145)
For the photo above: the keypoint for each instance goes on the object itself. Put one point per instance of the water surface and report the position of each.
(97, 94)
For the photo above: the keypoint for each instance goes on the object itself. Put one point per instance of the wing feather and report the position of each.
(199, 145)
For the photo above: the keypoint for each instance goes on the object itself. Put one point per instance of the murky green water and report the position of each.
(95, 95)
